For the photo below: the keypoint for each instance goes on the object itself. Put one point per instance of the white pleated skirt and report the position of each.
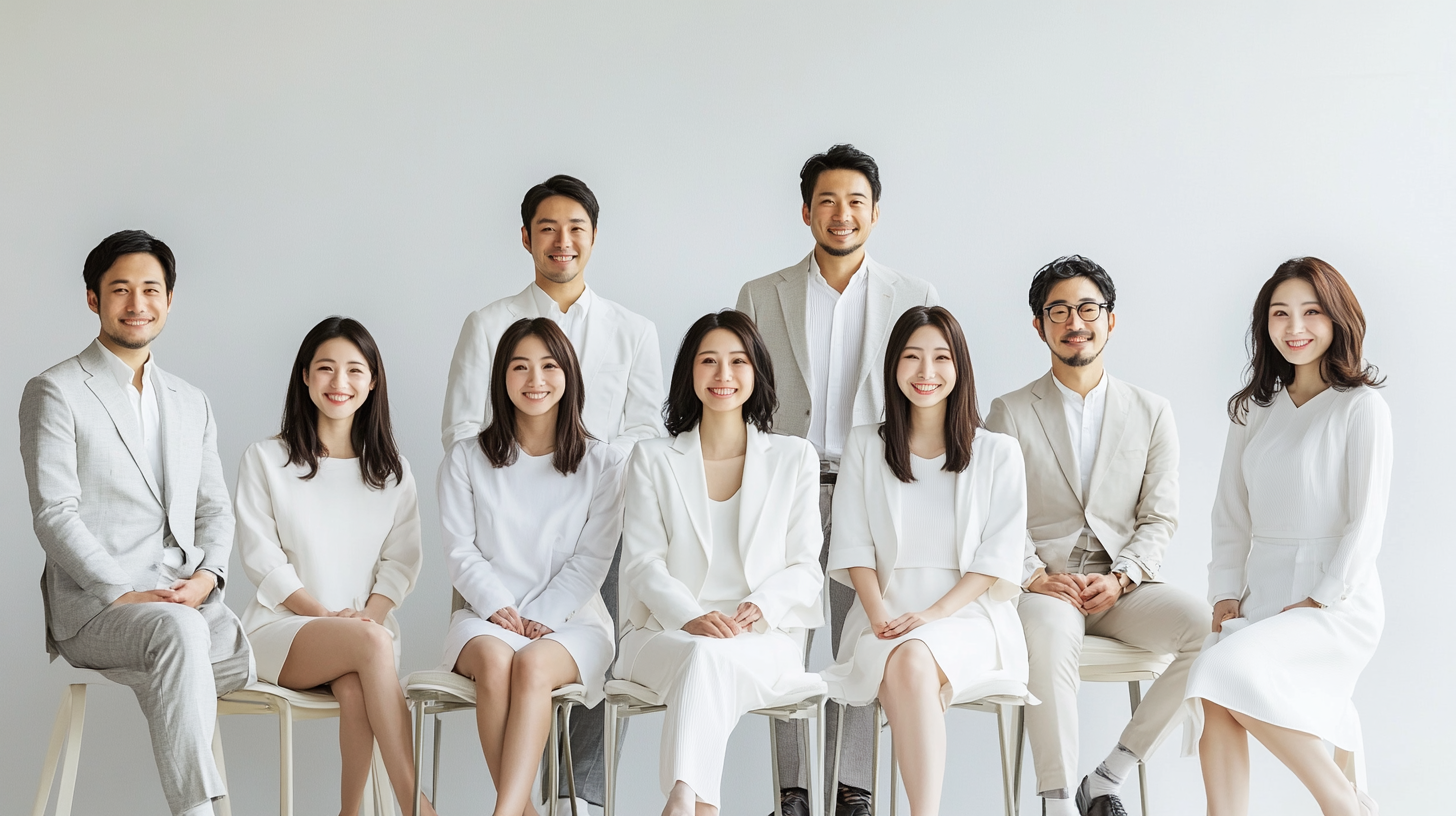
(707, 685)
(586, 636)
(1295, 669)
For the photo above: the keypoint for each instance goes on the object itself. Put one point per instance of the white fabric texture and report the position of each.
(1299, 514)
(332, 535)
(981, 648)
(835, 323)
(923, 506)
(573, 320)
(528, 537)
(725, 587)
(621, 368)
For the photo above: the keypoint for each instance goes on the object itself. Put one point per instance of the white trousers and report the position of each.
(707, 685)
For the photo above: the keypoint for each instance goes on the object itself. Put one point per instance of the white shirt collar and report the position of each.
(549, 308)
(858, 279)
(1098, 392)
(123, 372)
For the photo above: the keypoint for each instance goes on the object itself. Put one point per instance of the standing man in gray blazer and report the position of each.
(130, 506)
(1102, 489)
(826, 321)
(621, 366)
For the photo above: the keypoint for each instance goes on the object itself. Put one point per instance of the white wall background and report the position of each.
(368, 159)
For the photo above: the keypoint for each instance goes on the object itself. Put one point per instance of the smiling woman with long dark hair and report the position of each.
(1297, 524)
(328, 527)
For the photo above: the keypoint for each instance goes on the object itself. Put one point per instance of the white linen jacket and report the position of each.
(621, 367)
(990, 523)
(667, 537)
(1132, 498)
(778, 304)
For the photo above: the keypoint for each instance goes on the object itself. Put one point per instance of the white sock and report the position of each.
(1061, 807)
(1113, 771)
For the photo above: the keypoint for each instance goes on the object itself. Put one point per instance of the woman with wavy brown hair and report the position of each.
(1297, 526)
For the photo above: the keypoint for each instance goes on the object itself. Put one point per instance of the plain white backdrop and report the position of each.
(368, 159)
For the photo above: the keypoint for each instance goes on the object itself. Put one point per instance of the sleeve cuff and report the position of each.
(1330, 591)
(1130, 568)
(391, 589)
(108, 593)
(277, 586)
(674, 619)
(844, 558)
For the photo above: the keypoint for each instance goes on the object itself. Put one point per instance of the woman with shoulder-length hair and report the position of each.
(328, 527)
(929, 529)
(530, 511)
(720, 557)
(1296, 527)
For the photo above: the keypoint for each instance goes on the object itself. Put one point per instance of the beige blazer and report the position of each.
(97, 510)
(778, 303)
(621, 366)
(1132, 501)
(667, 536)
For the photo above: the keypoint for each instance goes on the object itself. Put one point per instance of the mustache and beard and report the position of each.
(1084, 357)
(840, 252)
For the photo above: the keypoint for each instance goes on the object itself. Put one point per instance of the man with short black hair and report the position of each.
(129, 503)
(1102, 488)
(621, 367)
(826, 321)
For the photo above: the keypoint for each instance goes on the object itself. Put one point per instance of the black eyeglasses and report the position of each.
(1089, 312)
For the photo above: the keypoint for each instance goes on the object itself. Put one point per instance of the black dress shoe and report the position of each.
(852, 802)
(794, 802)
(1105, 805)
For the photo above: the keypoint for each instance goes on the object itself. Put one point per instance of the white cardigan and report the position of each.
(667, 535)
(990, 523)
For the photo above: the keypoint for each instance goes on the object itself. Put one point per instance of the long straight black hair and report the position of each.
(498, 440)
(962, 417)
(372, 434)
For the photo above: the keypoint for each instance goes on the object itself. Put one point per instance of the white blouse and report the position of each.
(927, 507)
(527, 536)
(332, 535)
(725, 587)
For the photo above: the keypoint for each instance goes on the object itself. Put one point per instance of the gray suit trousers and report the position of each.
(178, 661)
(856, 764)
(587, 724)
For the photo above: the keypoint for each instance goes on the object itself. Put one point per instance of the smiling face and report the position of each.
(1076, 342)
(133, 301)
(338, 378)
(722, 371)
(842, 212)
(559, 239)
(926, 372)
(1298, 325)
(535, 381)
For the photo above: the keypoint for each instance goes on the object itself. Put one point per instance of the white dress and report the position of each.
(331, 535)
(927, 565)
(1299, 514)
(529, 537)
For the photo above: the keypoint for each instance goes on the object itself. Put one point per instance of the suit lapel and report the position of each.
(594, 341)
(965, 500)
(760, 465)
(879, 309)
(1053, 417)
(169, 418)
(108, 391)
(1114, 424)
(692, 484)
(890, 488)
(793, 300)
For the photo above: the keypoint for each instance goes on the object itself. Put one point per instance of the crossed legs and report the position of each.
(356, 658)
(910, 694)
(513, 710)
(1224, 752)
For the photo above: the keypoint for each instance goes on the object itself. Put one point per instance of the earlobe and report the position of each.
(93, 302)
(526, 238)
(806, 215)
(1036, 324)
(875, 214)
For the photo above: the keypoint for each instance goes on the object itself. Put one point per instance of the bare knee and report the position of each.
(348, 690)
(531, 673)
(911, 666)
(487, 661)
(376, 644)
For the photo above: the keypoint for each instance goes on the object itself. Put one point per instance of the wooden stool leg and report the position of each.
(285, 757)
(816, 764)
(566, 754)
(609, 755)
(419, 756)
(1135, 699)
(67, 794)
(70, 719)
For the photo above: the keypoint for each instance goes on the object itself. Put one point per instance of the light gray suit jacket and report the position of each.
(96, 506)
(1132, 501)
(778, 304)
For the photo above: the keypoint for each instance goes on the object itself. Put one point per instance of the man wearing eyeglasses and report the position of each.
(1102, 488)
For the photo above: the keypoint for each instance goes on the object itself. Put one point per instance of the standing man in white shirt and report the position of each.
(129, 503)
(1102, 491)
(621, 367)
(826, 321)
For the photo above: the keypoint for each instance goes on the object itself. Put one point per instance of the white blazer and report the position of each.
(990, 516)
(667, 538)
(621, 367)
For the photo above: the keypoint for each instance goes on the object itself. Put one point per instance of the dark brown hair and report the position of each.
(559, 185)
(683, 410)
(962, 418)
(372, 434)
(498, 440)
(122, 243)
(1343, 365)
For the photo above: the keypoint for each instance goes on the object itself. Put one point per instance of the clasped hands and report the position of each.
(1090, 594)
(189, 591)
(719, 625)
(886, 629)
(510, 620)
(1229, 609)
